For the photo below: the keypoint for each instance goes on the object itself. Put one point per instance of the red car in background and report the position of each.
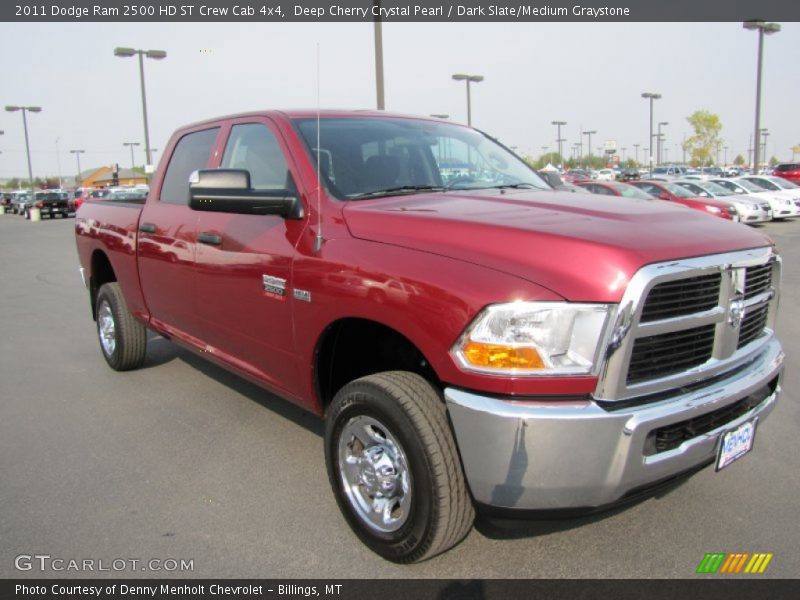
(611, 188)
(576, 175)
(790, 171)
(664, 190)
(85, 194)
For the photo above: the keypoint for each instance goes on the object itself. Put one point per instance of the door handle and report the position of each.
(211, 239)
(147, 228)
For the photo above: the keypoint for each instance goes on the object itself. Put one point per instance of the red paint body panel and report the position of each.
(423, 265)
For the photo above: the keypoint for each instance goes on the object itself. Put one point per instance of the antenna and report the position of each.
(319, 239)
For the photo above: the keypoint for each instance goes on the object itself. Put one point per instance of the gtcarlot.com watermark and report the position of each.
(46, 562)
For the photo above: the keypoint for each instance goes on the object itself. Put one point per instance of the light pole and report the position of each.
(764, 134)
(589, 135)
(77, 154)
(559, 139)
(660, 139)
(154, 54)
(769, 29)
(381, 100)
(651, 96)
(725, 148)
(25, 109)
(623, 154)
(469, 79)
(636, 149)
(132, 144)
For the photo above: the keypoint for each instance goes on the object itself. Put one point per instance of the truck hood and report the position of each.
(580, 246)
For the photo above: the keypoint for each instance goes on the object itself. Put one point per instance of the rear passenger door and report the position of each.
(244, 264)
(167, 234)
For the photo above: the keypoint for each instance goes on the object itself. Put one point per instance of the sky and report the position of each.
(590, 75)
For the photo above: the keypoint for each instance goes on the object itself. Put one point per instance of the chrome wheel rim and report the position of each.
(106, 329)
(374, 471)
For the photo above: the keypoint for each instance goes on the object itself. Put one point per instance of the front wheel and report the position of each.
(393, 466)
(123, 340)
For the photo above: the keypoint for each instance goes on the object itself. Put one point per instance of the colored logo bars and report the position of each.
(741, 562)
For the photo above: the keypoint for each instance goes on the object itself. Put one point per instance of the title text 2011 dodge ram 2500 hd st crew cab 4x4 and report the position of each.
(472, 338)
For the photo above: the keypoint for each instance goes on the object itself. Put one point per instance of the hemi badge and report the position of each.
(274, 285)
(303, 295)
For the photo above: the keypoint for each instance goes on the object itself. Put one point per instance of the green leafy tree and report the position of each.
(739, 160)
(773, 161)
(706, 139)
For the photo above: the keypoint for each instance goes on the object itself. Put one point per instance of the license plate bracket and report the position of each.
(735, 443)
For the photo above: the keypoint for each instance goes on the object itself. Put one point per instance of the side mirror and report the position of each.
(229, 191)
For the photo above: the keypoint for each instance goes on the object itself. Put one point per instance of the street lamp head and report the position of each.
(771, 28)
(13, 108)
(436, 116)
(34, 108)
(131, 144)
(126, 52)
(156, 54)
(663, 123)
(558, 123)
(476, 78)
(460, 76)
(652, 95)
(767, 28)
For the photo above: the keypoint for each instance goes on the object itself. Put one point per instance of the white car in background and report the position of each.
(777, 187)
(751, 210)
(782, 208)
(606, 175)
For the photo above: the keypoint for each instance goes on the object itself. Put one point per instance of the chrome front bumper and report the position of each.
(576, 454)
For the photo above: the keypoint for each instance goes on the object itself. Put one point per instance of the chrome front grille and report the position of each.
(667, 353)
(689, 320)
(682, 297)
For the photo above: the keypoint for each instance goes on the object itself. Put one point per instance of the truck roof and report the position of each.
(308, 113)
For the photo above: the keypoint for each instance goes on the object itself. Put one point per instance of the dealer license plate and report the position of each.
(736, 443)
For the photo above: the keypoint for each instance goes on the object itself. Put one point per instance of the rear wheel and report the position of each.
(393, 466)
(123, 340)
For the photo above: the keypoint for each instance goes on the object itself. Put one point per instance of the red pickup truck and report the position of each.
(472, 338)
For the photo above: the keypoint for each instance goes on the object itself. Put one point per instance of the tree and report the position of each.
(739, 160)
(773, 161)
(703, 144)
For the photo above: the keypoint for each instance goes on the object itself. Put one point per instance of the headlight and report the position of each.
(534, 338)
(713, 209)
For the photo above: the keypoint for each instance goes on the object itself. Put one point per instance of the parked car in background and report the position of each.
(629, 175)
(606, 175)
(51, 203)
(19, 199)
(553, 179)
(781, 207)
(778, 186)
(750, 209)
(790, 171)
(667, 173)
(666, 190)
(615, 188)
(575, 175)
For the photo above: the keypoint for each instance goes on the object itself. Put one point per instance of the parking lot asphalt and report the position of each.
(181, 460)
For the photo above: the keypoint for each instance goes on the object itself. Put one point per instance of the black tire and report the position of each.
(129, 335)
(440, 512)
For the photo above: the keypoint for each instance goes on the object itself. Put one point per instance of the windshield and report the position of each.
(630, 191)
(363, 157)
(766, 184)
(783, 183)
(749, 185)
(679, 191)
(715, 189)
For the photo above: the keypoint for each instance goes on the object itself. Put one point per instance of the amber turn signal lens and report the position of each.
(502, 357)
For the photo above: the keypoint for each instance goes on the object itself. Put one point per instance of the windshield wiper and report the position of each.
(403, 189)
(516, 186)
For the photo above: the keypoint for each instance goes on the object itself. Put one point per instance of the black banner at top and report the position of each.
(204, 11)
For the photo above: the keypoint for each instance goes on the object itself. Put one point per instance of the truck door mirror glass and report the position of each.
(229, 191)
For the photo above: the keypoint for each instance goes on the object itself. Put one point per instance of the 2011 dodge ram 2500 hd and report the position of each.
(471, 337)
